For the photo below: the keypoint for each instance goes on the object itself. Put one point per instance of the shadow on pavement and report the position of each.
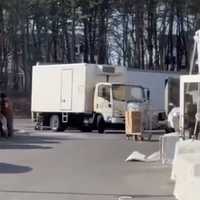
(6, 168)
(33, 139)
(27, 142)
(22, 146)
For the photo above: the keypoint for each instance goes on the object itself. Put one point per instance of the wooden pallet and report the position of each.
(135, 137)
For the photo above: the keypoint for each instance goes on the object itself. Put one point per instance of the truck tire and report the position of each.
(100, 124)
(55, 123)
(38, 127)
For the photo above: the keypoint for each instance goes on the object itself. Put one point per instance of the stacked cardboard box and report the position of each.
(133, 121)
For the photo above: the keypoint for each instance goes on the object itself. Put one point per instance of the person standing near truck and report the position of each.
(3, 132)
(7, 112)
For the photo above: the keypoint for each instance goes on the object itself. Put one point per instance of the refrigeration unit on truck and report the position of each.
(85, 96)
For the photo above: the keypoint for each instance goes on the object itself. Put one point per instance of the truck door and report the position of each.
(103, 103)
(66, 89)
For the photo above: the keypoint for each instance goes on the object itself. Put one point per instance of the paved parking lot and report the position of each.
(78, 166)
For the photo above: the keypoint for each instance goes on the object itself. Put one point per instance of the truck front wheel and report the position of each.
(100, 124)
(55, 123)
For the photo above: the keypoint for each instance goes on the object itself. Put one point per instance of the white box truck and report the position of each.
(86, 96)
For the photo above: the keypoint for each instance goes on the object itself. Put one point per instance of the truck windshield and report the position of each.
(128, 93)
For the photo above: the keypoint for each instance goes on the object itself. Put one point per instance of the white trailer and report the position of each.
(157, 82)
(86, 96)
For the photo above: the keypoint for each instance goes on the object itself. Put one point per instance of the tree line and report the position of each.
(144, 34)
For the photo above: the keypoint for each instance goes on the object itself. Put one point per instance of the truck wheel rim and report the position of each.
(55, 123)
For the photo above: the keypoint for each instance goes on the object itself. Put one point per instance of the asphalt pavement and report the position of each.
(71, 165)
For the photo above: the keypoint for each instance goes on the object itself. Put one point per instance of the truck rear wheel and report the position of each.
(55, 123)
(100, 124)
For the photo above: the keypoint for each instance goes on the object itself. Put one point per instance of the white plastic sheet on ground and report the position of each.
(154, 157)
(137, 156)
(125, 198)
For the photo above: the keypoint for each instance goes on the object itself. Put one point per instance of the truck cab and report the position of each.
(111, 100)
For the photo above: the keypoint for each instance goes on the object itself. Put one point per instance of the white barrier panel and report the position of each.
(168, 143)
(183, 147)
(186, 170)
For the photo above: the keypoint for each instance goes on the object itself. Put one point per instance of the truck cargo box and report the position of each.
(67, 87)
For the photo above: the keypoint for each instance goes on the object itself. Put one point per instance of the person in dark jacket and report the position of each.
(7, 112)
(3, 133)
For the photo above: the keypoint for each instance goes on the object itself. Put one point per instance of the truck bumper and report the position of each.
(118, 120)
